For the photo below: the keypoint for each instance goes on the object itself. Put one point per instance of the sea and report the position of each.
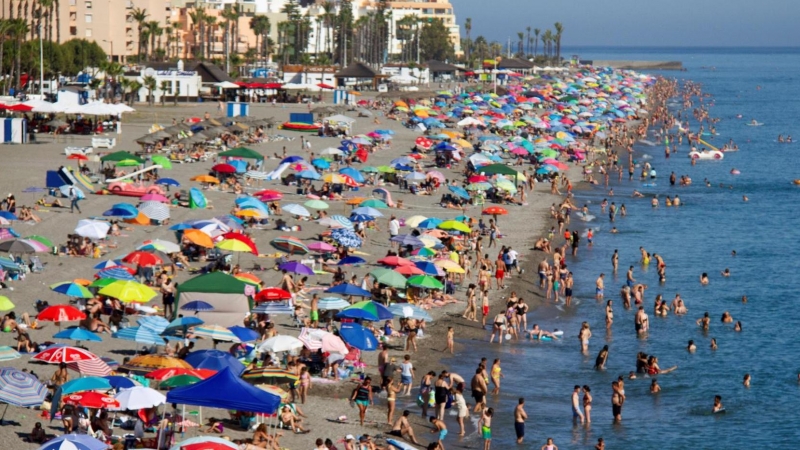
(698, 237)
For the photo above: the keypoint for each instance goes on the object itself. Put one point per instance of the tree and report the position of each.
(134, 87)
(468, 29)
(261, 27)
(481, 48)
(435, 43)
(536, 32)
(210, 22)
(154, 30)
(520, 44)
(165, 85)
(140, 16)
(547, 38)
(18, 30)
(231, 17)
(528, 41)
(58, 21)
(198, 26)
(150, 84)
(559, 27)
(5, 27)
(343, 36)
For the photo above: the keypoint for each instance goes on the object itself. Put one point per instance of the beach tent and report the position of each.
(197, 199)
(241, 152)
(229, 296)
(226, 391)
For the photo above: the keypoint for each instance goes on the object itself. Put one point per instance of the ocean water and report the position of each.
(696, 238)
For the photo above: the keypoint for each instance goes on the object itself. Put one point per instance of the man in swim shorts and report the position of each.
(598, 290)
(441, 428)
(403, 428)
(519, 420)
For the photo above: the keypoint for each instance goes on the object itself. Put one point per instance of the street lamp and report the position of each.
(110, 56)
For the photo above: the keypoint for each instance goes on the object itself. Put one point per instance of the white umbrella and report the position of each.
(296, 210)
(154, 210)
(468, 122)
(92, 229)
(42, 106)
(139, 397)
(331, 151)
(160, 244)
(280, 343)
(227, 85)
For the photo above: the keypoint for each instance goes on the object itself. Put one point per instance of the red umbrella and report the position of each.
(495, 211)
(409, 270)
(395, 261)
(325, 86)
(362, 155)
(144, 259)
(241, 238)
(20, 108)
(91, 399)
(67, 354)
(272, 294)
(60, 313)
(277, 194)
(224, 168)
(78, 156)
(165, 373)
(478, 179)
(207, 446)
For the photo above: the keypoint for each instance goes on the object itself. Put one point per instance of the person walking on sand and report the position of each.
(407, 374)
(520, 416)
(73, 200)
(576, 405)
(362, 396)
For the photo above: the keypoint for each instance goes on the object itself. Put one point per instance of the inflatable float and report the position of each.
(706, 154)
(796, 181)
(735, 172)
(302, 127)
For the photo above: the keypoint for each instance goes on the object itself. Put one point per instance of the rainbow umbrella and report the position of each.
(71, 289)
(290, 244)
(367, 310)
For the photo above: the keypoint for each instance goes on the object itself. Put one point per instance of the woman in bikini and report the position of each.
(496, 375)
(305, 384)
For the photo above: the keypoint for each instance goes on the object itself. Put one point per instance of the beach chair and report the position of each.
(36, 265)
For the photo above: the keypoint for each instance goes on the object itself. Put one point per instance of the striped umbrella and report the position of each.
(20, 389)
(159, 244)
(342, 221)
(7, 353)
(154, 323)
(330, 303)
(74, 442)
(117, 273)
(296, 210)
(71, 289)
(215, 332)
(57, 354)
(345, 237)
(256, 175)
(139, 334)
(409, 311)
(269, 374)
(290, 244)
(154, 210)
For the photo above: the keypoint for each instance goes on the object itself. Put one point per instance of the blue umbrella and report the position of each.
(429, 268)
(353, 173)
(320, 163)
(402, 160)
(459, 191)
(79, 441)
(358, 337)
(20, 388)
(409, 311)
(403, 168)
(108, 264)
(291, 159)
(348, 289)
(156, 324)
(343, 221)
(367, 210)
(345, 237)
(214, 360)
(443, 147)
(239, 165)
(117, 273)
(139, 334)
(351, 261)
(430, 224)
(361, 218)
(85, 384)
(384, 132)
(296, 267)
(408, 239)
(119, 382)
(308, 174)
(168, 182)
(119, 212)
(184, 322)
(197, 306)
(181, 226)
(7, 215)
(245, 334)
(77, 334)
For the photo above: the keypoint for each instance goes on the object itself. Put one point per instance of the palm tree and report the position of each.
(140, 16)
(18, 30)
(231, 17)
(198, 26)
(150, 84)
(261, 27)
(155, 31)
(536, 32)
(58, 21)
(134, 87)
(328, 9)
(165, 85)
(547, 39)
(482, 48)
(521, 44)
(5, 26)
(113, 70)
(468, 29)
(210, 22)
(559, 31)
(528, 40)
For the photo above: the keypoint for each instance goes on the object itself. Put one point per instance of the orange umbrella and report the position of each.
(141, 219)
(197, 237)
(355, 201)
(495, 211)
(82, 281)
(206, 179)
(148, 363)
(248, 277)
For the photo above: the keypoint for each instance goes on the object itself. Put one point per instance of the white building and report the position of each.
(183, 83)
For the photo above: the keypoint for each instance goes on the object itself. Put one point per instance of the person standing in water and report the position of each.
(718, 404)
(486, 427)
(615, 260)
(520, 416)
(598, 290)
(576, 405)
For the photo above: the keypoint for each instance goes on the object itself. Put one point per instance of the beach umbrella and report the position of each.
(198, 237)
(245, 334)
(159, 244)
(395, 261)
(296, 210)
(316, 204)
(92, 229)
(119, 382)
(374, 203)
(77, 334)
(356, 218)
(414, 221)
(197, 306)
(120, 273)
(8, 354)
(280, 343)
(429, 268)
(215, 332)
(140, 335)
(272, 294)
(425, 281)
(20, 388)
(71, 289)
(205, 443)
(290, 244)
(408, 311)
(367, 211)
(321, 247)
(74, 442)
(358, 336)
(5, 304)
(337, 221)
(332, 303)
(274, 390)
(148, 363)
(429, 224)
(154, 323)
(316, 339)
(459, 191)
(91, 399)
(366, 310)
(128, 291)
(58, 354)
(238, 245)
(348, 289)
(269, 374)
(60, 313)
(107, 264)
(389, 277)
(93, 367)
(179, 381)
(454, 225)
(142, 258)
(122, 211)
(8, 215)
(168, 182)
(183, 323)
(85, 384)
(296, 267)
(407, 239)
(205, 179)
(351, 261)
(17, 246)
(215, 360)
(155, 210)
(346, 238)
(139, 397)
(495, 211)
(41, 239)
(169, 372)
(409, 270)
(308, 175)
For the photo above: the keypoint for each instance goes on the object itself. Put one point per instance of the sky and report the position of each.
(673, 23)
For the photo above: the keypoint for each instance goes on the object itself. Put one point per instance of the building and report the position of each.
(187, 81)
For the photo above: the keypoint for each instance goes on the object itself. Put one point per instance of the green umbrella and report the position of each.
(374, 203)
(386, 169)
(425, 281)
(102, 282)
(369, 169)
(128, 163)
(389, 277)
(162, 161)
(316, 204)
(41, 239)
(179, 381)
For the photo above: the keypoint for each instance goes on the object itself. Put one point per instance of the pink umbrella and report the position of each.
(519, 151)
(155, 198)
(38, 246)
(333, 344)
(270, 197)
(437, 174)
(321, 247)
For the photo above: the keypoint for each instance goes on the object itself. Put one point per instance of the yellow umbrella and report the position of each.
(449, 266)
(421, 114)
(234, 245)
(464, 143)
(206, 179)
(401, 103)
(429, 241)
(128, 291)
(250, 213)
(274, 390)
(414, 221)
(5, 304)
(334, 178)
(454, 225)
(452, 134)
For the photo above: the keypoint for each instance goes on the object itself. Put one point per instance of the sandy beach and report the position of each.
(25, 165)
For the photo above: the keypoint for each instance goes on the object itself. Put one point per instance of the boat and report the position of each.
(706, 154)
(302, 127)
